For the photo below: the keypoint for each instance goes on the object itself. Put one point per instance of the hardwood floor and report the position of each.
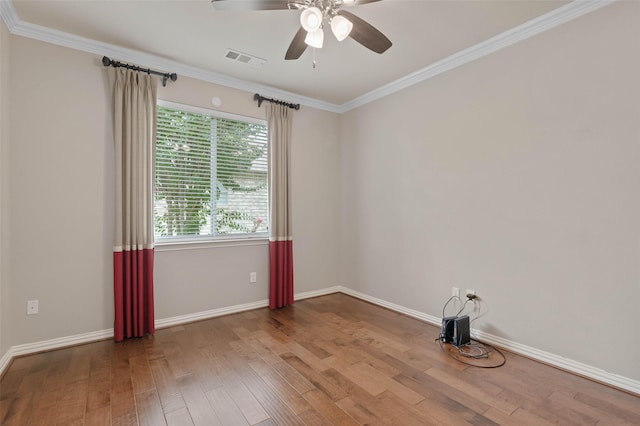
(332, 360)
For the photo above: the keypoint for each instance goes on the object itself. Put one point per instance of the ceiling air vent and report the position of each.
(244, 58)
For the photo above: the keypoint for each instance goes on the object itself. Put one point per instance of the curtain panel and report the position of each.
(134, 107)
(280, 239)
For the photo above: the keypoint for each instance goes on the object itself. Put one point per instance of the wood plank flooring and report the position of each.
(331, 360)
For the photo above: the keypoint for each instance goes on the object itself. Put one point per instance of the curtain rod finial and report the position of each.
(258, 98)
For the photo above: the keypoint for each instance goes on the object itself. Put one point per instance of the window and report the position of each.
(211, 174)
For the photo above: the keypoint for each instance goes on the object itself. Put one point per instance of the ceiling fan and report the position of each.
(315, 13)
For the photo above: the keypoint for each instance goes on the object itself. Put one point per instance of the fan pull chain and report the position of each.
(314, 58)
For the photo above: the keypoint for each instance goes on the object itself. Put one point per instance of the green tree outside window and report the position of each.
(211, 175)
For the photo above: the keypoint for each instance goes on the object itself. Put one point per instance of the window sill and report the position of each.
(207, 243)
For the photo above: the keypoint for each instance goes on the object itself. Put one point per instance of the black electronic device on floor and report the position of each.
(461, 331)
(446, 334)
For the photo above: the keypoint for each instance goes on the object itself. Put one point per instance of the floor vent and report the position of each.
(244, 58)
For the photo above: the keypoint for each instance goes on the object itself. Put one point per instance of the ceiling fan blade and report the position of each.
(366, 34)
(297, 46)
(358, 2)
(250, 4)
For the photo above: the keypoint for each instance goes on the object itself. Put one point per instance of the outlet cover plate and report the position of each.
(32, 307)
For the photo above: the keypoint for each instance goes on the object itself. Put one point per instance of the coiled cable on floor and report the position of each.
(474, 350)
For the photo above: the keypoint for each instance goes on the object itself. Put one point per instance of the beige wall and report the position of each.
(5, 343)
(196, 280)
(516, 176)
(61, 191)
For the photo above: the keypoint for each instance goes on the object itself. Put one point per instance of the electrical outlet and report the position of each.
(455, 292)
(32, 307)
(253, 277)
(471, 293)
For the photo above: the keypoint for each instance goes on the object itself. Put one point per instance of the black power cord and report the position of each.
(446, 304)
(484, 354)
(482, 350)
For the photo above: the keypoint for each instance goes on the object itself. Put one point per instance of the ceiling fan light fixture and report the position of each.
(341, 27)
(311, 19)
(315, 38)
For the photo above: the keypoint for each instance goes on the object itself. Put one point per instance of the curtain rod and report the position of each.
(260, 99)
(165, 75)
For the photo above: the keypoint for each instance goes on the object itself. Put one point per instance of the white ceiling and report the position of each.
(193, 33)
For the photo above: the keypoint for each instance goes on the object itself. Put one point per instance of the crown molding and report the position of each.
(37, 32)
(522, 32)
(8, 14)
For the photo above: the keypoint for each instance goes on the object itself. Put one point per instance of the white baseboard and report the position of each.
(5, 361)
(199, 316)
(317, 293)
(576, 367)
(397, 308)
(562, 363)
(47, 345)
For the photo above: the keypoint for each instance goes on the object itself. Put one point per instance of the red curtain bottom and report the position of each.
(133, 293)
(280, 274)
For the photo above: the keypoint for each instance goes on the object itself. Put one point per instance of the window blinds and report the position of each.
(211, 175)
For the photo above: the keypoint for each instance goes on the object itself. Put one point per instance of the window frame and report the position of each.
(179, 242)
